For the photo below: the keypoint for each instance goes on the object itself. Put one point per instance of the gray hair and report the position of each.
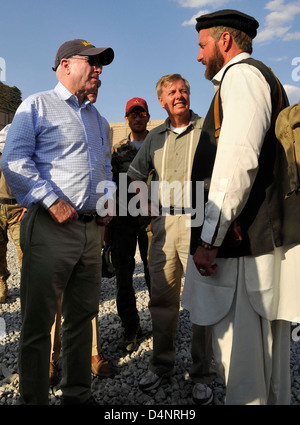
(169, 79)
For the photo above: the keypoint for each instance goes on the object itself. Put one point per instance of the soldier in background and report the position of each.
(11, 214)
(126, 231)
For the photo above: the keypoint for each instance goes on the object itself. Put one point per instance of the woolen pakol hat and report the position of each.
(85, 48)
(228, 18)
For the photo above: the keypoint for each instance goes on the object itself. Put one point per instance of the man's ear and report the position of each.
(226, 41)
(64, 64)
(161, 102)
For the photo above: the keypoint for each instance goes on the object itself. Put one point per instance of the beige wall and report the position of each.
(120, 130)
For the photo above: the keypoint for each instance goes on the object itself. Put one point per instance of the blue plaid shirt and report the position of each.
(57, 149)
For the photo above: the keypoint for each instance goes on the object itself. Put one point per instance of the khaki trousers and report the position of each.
(9, 222)
(58, 262)
(167, 261)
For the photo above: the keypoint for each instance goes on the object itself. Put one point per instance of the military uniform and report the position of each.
(10, 213)
(126, 231)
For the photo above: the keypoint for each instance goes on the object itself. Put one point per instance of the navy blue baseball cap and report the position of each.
(84, 48)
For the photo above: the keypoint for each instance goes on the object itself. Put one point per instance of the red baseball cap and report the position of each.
(136, 101)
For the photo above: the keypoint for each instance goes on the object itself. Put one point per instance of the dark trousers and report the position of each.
(126, 233)
(58, 260)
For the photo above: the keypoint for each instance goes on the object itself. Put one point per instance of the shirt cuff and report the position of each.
(207, 234)
(48, 200)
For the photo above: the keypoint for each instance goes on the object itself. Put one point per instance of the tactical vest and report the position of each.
(268, 218)
(122, 156)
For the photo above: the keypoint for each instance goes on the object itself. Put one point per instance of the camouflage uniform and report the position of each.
(126, 231)
(10, 213)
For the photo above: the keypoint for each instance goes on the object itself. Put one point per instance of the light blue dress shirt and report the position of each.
(57, 149)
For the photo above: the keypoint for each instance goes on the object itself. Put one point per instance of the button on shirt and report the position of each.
(57, 149)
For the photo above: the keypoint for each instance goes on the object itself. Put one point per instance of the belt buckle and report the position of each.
(87, 218)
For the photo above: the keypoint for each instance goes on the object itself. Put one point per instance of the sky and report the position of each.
(150, 38)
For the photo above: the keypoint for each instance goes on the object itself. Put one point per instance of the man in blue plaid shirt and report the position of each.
(57, 152)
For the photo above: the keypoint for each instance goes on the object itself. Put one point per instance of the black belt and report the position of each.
(86, 217)
(9, 201)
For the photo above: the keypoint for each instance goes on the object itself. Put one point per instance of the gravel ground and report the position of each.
(123, 388)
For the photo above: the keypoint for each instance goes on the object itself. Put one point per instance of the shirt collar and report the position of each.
(218, 77)
(193, 121)
(62, 92)
(65, 94)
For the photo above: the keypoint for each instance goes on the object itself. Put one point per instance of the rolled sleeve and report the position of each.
(18, 166)
(142, 163)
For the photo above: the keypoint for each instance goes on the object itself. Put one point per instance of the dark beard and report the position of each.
(138, 130)
(214, 65)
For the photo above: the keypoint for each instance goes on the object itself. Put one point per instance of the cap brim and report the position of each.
(136, 106)
(106, 54)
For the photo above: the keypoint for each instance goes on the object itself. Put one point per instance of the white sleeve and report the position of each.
(3, 135)
(247, 110)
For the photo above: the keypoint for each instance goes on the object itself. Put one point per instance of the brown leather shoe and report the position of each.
(101, 367)
(53, 374)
